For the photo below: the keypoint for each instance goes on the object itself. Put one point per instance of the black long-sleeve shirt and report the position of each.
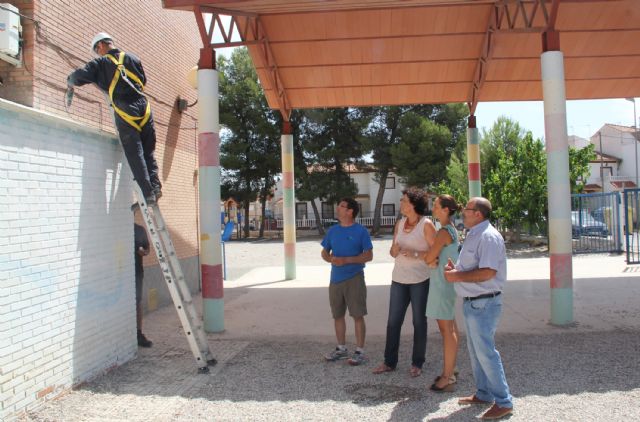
(101, 71)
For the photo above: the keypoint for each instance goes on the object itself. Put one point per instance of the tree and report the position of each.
(517, 186)
(326, 143)
(250, 149)
(456, 182)
(384, 133)
(579, 166)
(503, 136)
(421, 158)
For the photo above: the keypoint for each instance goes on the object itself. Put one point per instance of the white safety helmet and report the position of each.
(101, 36)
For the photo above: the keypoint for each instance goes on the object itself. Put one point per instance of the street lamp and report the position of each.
(635, 140)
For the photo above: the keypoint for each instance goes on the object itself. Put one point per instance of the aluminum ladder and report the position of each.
(174, 277)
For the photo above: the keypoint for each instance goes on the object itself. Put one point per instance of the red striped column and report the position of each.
(473, 158)
(209, 191)
(558, 188)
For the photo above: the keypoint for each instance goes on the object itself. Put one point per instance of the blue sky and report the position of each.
(584, 117)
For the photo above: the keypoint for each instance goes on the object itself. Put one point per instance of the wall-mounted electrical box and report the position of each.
(9, 34)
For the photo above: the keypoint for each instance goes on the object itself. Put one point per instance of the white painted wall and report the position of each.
(366, 187)
(66, 256)
(617, 143)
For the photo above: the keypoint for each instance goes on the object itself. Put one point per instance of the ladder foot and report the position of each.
(212, 362)
(204, 370)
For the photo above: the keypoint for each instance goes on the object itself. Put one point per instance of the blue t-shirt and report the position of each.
(346, 241)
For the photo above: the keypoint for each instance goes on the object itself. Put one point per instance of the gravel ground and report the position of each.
(571, 374)
(562, 377)
(245, 255)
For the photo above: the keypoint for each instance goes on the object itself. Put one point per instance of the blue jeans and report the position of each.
(400, 297)
(481, 318)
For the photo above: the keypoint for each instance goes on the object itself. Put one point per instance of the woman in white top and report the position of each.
(413, 236)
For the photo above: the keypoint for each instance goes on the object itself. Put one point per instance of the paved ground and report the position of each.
(270, 365)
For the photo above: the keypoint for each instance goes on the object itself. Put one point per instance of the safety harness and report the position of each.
(126, 75)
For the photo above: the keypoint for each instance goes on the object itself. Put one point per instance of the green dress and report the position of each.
(442, 296)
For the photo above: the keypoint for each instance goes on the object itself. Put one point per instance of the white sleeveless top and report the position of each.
(407, 269)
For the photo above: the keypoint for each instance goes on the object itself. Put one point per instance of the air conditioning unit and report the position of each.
(9, 33)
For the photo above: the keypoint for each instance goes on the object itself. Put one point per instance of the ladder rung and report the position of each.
(174, 277)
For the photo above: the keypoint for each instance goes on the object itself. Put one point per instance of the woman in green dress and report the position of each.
(442, 296)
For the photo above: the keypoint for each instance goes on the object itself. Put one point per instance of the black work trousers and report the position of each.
(139, 148)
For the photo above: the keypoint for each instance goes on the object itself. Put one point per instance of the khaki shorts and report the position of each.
(352, 294)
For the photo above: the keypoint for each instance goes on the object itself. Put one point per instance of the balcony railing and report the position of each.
(310, 223)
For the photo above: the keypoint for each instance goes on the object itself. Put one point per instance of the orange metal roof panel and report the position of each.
(337, 53)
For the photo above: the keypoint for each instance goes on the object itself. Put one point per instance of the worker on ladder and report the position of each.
(121, 75)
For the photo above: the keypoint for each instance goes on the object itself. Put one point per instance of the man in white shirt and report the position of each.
(479, 276)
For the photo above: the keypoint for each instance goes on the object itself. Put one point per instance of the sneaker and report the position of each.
(358, 358)
(336, 354)
(143, 341)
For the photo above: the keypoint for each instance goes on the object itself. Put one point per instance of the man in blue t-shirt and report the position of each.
(347, 246)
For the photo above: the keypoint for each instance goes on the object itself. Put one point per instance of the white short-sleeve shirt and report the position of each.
(482, 248)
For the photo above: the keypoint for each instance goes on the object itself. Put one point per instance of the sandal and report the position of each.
(415, 371)
(455, 374)
(382, 368)
(450, 387)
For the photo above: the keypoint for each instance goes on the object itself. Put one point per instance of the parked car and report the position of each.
(583, 224)
(601, 214)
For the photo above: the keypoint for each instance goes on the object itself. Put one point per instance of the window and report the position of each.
(301, 211)
(327, 210)
(388, 210)
(391, 183)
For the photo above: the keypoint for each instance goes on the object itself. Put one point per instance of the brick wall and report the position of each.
(66, 256)
(65, 238)
(168, 44)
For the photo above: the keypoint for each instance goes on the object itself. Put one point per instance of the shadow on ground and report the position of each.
(289, 372)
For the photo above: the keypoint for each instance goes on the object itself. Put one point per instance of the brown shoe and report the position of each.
(472, 400)
(497, 412)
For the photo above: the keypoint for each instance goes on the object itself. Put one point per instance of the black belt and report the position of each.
(494, 294)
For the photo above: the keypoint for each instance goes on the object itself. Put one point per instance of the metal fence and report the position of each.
(310, 223)
(631, 201)
(596, 223)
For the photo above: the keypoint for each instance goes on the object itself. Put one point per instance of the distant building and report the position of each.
(614, 167)
(366, 198)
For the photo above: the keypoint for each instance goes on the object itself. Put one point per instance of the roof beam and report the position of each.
(273, 73)
(508, 16)
(250, 31)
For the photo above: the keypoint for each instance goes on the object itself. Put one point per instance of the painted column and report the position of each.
(209, 190)
(558, 188)
(288, 211)
(473, 158)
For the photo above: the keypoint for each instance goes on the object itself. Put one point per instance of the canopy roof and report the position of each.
(337, 53)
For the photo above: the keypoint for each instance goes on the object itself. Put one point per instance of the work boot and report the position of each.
(143, 341)
(151, 200)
